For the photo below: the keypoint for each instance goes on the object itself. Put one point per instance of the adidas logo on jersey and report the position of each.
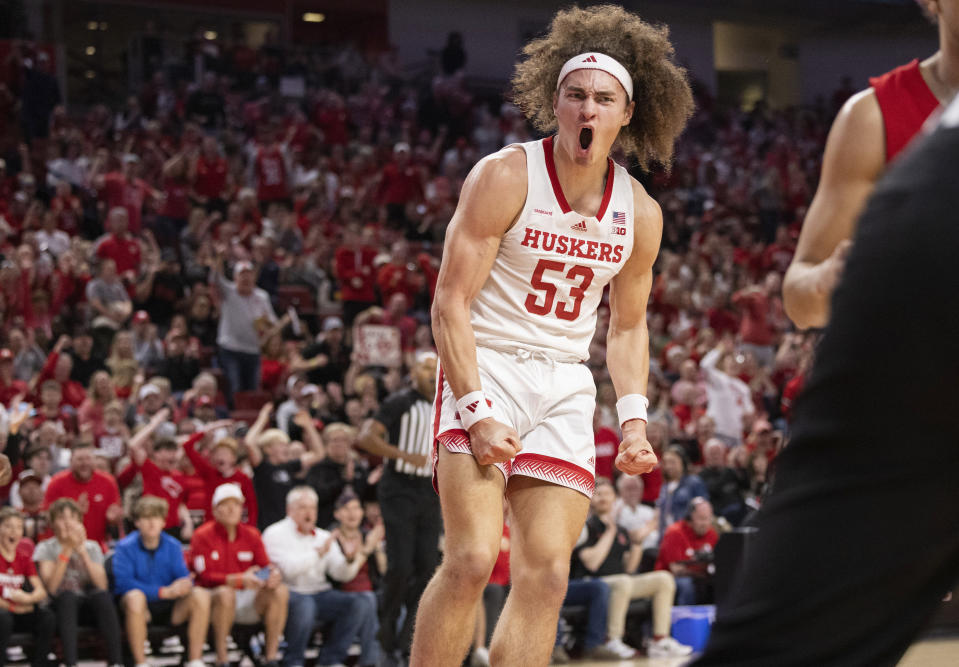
(590, 59)
(580, 227)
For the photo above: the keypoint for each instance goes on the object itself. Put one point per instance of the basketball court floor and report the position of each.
(927, 653)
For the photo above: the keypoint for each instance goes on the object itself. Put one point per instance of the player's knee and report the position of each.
(470, 568)
(548, 576)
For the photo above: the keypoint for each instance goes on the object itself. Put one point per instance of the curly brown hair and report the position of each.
(664, 100)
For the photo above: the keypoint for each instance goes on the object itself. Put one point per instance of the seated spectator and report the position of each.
(220, 468)
(274, 469)
(679, 487)
(154, 585)
(724, 484)
(21, 611)
(370, 545)
(71, 567)
(594, 595)
(306, 555)
(229, 558)
(605, 551)
(640, 521)
(96, 492)
(686, 551)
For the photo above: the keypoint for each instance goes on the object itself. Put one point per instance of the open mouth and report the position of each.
(585, 138)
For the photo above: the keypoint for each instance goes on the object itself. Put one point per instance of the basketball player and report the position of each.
(859, 536)
(541, 228)
(872, 128)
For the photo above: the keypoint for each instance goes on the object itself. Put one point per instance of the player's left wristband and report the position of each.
(632, 406)
(473, 407)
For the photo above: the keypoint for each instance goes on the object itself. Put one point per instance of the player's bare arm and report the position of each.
(854, 158)
(627, 343)
(492, 198)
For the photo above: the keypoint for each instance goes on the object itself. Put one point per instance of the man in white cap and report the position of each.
(229, 557)
(540, 230)
(246, 315)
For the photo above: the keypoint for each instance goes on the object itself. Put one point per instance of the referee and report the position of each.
(859, 536)
(410, 507)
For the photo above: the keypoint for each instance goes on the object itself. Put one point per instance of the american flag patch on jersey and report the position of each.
(619, 218)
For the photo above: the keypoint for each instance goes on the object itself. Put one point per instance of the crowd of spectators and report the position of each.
(177, 266)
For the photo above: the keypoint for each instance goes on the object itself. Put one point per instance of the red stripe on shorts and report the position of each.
(554, 470)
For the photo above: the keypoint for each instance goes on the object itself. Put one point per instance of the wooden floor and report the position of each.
(929, 653)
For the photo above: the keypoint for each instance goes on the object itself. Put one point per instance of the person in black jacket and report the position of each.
(330, 477)
(872, 463)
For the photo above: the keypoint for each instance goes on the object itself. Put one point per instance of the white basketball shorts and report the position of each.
(549, 403)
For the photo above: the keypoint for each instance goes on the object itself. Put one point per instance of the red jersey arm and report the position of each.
(200, 463)
(249, 494)
(906, 102)
(127, 475)
(46, 372)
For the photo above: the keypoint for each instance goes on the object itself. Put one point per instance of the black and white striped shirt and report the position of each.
(407, 416)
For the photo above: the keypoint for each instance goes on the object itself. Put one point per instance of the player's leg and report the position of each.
(472, 501)
(546, 522)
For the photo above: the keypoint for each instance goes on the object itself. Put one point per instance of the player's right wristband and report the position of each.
(632, 406)
(473, 407)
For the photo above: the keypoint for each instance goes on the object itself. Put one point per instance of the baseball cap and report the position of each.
(309, 389)
(332, 322)
(226, 491)
(29, 475)
(148, 390)
(401, 146)
(6, 354)
(141, 316)
(130, 158)
(242, 265)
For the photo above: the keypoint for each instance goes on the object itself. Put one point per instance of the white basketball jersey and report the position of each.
(548, 278)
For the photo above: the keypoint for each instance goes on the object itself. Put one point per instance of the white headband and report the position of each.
(602, 62)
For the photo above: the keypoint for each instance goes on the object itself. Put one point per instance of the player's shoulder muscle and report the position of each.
(856, 147)
(494, 192)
